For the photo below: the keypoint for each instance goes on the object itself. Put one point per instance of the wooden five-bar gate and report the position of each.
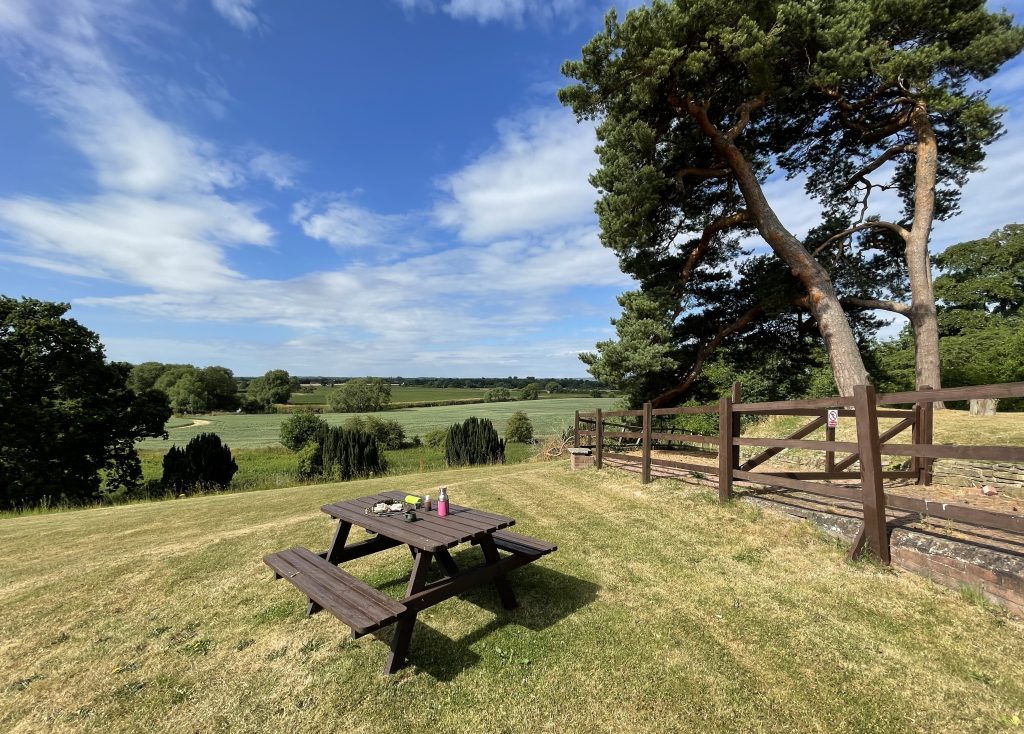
(866, 452)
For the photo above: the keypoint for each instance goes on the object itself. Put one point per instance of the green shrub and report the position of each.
(389, 432)
(342, 453)
(204, 463)
(299, 429)
(435, 438)
(498, 395)
(519, 428)
(474, 441)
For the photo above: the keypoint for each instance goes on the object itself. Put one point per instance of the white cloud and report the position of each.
(278, 168)
(159, 219)
(346, 225)
(497, 11)
(240, 13)
(535, 179)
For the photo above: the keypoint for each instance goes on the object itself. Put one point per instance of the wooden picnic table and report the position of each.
(429, 538)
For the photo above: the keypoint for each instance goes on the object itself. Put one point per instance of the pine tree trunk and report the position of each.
(919, 269)
(843, 351)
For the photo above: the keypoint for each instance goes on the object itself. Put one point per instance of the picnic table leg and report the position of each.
(447, 563)
(403, 628)
(508, 598)
(333, 554)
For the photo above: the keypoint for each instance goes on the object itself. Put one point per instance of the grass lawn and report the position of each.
(662, 611)
(254, 431)
(950, 427)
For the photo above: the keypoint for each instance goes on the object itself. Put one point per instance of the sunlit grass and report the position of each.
(662, 611)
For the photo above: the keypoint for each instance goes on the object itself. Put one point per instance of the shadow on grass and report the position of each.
(544, 597)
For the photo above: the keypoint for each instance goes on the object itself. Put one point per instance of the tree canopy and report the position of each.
(67, 416)
(276, 386)
(361, 395)
(699, 102)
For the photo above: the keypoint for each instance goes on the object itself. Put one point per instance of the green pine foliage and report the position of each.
(343, 454)
(204, 463)
(474, 441)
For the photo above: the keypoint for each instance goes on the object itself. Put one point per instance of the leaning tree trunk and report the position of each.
(919, 269)
(843, 351)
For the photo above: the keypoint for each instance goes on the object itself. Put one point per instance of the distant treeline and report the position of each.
(565, 384)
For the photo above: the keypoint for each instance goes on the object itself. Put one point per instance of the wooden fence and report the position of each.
(867, 451)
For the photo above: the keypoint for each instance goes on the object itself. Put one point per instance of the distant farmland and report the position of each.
(549, 417)
(416, 394)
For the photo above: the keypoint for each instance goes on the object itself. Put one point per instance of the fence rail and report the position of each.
(866, 452)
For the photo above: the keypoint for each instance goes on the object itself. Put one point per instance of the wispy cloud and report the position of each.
(342, 223)
(160, 218)
(534, 179)
(240, 13)
(502, 11)
(280, 169)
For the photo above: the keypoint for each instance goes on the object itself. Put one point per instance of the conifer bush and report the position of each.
(204, 463)
(474, 441)
(342, 453)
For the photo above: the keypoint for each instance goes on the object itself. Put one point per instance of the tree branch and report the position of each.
(874, 165)
(857, 228)
(744, 111)
(703, 173)
(716, 227)
(671, 397)
(903, 309)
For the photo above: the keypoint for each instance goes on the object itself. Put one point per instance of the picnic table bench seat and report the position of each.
(361, 607)
(522, 544)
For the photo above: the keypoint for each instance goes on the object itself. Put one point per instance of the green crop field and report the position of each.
(416, 394)
(254, 431)
(661, 611)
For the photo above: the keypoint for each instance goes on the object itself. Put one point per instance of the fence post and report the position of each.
(645, 469)
(875, 532)
(576, 432)
(927, 420)
(599, 452)
(737, 397)
(725, 465)
(830, 456)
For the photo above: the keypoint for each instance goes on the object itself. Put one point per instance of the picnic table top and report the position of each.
(429, 532)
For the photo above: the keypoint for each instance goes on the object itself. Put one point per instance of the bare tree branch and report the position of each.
(670, 397)
(703, 173)
(874, 165)
(716, 227)
(902, 309)
(903, 233)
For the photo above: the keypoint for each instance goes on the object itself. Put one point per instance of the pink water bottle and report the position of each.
(442, 503)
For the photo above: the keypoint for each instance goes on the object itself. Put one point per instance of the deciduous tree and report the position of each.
(67, 416)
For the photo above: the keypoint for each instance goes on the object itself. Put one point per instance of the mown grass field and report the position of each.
(399, 394)
(662, 611)
(255, 431)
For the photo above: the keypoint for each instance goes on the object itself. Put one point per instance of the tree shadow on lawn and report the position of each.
(544, 597)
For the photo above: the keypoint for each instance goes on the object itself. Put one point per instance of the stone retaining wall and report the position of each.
(962, 473)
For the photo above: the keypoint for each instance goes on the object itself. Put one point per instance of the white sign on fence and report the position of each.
(833, 418)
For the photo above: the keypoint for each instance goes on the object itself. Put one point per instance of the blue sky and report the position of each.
(358, 187)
